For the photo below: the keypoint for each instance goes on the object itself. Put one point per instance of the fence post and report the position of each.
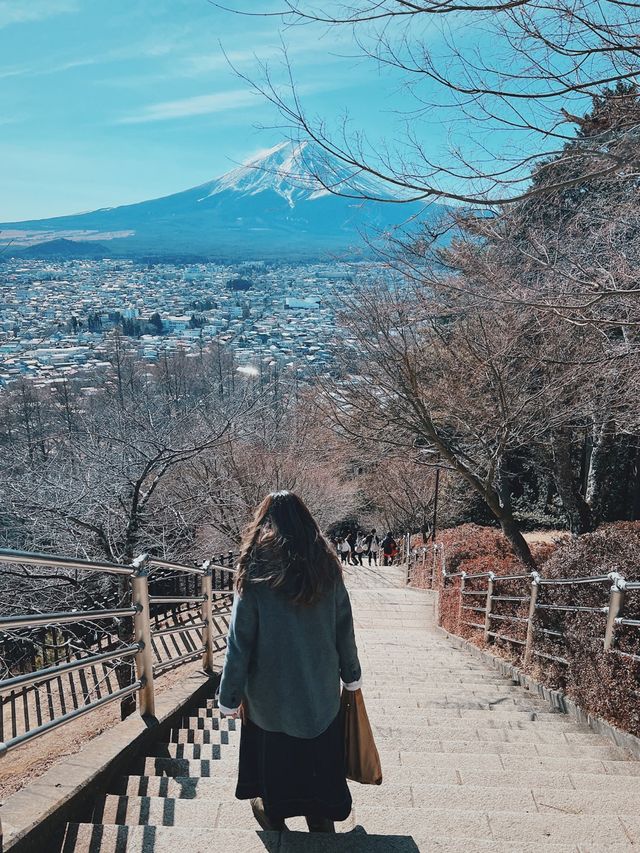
(462, 586)
(616, 600)
(207, 616)
(142, 628)
(533, 598)
(487, 610)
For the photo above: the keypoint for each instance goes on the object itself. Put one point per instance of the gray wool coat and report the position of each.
(285, 660)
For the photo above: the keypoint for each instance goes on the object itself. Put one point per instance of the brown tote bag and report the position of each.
(362, 762)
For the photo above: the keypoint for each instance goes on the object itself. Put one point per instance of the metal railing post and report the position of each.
(462, 586)
(616, 600)
(142, 628)
(489, 604)
(528, 646)
(207, 617)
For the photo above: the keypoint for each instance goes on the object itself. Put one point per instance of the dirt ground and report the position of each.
(26, 763)
(546, 536)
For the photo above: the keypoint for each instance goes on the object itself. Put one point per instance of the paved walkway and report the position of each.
(470, 762)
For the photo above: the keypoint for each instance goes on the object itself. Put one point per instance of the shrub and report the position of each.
(602, 683)
(605, 683)
(474, 549)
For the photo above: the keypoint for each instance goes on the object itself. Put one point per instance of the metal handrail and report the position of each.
(619, 586)
(505, 637)
(43, 620)
(632, 623)
(30, 678)
(178, 629)
(28, 559)
(176, 599)
(570, 581)
(507, 618)
(512, 578)
(221, 568)
(520, 598)
(626, 654)
(50, 725)
(156, 562)
(139, 572)
(572, 608)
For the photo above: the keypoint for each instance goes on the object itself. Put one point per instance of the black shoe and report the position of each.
(266, 822)
(320, 824)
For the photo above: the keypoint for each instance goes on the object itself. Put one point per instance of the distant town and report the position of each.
(55, 316)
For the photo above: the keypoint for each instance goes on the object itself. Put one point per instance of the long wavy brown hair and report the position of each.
(284, 548)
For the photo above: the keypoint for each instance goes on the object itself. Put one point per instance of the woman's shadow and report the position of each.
(356, 841)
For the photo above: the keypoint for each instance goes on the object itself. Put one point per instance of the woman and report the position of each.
(389, 549)
(345, 550)
(291, 640)
(373, 546)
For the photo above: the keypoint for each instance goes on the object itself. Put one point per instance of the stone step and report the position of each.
(527, 732)
(150, 839)
(174, 760)
(421, 738)
(422, 716)
(494, 711)
(208, 735)
(600, 831)
(450, 693)
(452, 771)
(198, 751)
(199, 730)
(416, 748)
(216, 722)
(534, 798)
(558, 827)
(388, 704)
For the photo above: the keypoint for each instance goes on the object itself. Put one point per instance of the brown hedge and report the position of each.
(606, 684)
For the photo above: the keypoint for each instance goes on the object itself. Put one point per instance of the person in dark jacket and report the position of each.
(291, 640)
(389, 549)
(373, 546)
(352, 539)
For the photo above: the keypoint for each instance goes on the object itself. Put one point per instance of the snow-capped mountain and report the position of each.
(271, 206)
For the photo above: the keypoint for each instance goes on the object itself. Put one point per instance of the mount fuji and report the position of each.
(271, 206)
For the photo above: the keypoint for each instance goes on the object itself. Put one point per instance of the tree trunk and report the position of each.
(519, 544)
(602, 458)
(577, 510)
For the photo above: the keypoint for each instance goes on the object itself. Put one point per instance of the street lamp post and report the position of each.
(435, 503)
(427, 451)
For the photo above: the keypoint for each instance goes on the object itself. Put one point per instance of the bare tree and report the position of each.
(515, 72)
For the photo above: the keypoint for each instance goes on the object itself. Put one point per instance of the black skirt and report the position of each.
(294, 776)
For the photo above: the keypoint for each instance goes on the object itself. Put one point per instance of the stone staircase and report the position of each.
(470, 762)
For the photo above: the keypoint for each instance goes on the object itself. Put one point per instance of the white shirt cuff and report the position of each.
(228, 711)
(353, 685)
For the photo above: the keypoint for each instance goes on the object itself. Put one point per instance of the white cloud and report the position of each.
(26, 11)
(199, 105)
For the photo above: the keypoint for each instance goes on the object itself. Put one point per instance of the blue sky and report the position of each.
(105, 102)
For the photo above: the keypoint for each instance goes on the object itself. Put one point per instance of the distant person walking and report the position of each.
(345, 549)
(352, 539)
(360, 548)
(373, 546)
(291, 640)
(389, 549)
